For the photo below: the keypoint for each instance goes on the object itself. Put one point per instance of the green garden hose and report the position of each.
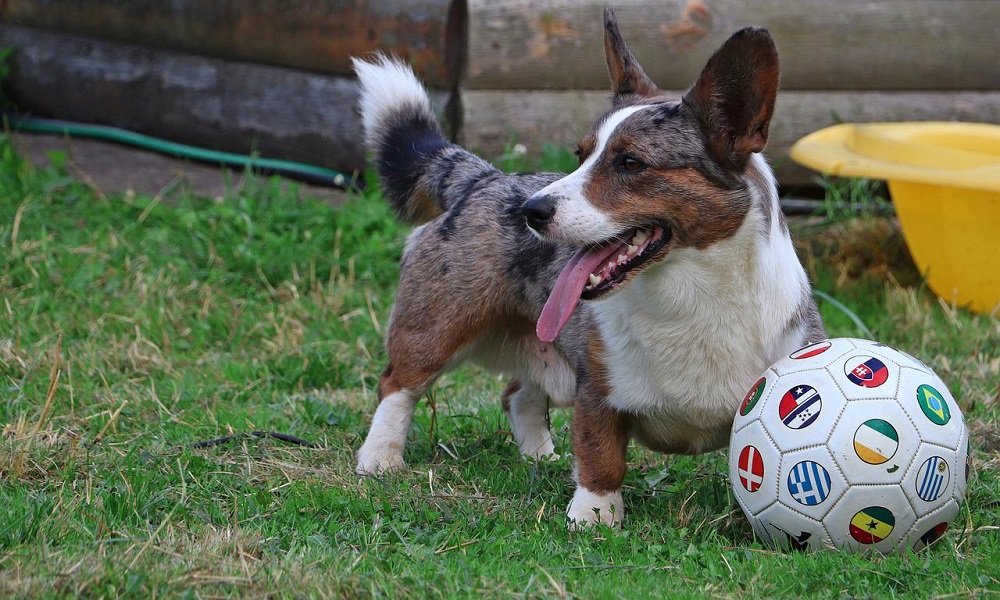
(293, 170)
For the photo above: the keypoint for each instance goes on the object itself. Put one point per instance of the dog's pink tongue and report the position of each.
(566, 293)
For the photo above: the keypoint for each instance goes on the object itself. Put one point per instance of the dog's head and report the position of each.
(657, 173)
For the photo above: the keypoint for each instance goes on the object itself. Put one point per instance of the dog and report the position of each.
(647, 289)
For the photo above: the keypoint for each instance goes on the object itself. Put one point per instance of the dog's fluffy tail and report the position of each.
(422, 173)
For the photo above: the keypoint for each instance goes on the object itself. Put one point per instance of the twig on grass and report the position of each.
(371, 311)
(448, 451)
(284, 437)
(456, 547)
(112, 419)
(17, 223)
(560, 590)
(50, 395)
(432, 402)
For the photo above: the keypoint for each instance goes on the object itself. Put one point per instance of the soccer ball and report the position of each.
(849, 444)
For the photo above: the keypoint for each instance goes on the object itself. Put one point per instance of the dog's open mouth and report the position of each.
(610, 273)
(595, 271)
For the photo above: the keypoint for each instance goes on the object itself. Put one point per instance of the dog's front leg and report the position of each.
(600, 438)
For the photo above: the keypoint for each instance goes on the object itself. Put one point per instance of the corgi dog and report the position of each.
(647, 289)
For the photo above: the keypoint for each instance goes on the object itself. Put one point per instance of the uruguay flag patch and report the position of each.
(932, 479)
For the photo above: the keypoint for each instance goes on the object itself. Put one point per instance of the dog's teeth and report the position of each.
(640, 237)
(622, 258)
(632, 248)
(594, 279)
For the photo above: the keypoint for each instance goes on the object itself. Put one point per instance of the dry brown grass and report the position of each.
(870, 249)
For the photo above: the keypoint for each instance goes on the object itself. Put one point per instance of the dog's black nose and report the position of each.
(538, 211)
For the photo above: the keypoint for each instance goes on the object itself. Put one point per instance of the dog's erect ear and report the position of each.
(627, 77)
(734, 96)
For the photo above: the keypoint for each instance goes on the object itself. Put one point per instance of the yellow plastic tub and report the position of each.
(944, 179)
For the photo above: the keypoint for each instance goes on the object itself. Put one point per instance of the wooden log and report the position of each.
(824, 44)
(212, 103)
(495, 119)
(318, 35)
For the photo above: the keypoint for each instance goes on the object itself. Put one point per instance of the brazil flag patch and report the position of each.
(933, 405)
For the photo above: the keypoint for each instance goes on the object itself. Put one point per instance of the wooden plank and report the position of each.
(824, 44)
(494, 119)
(208, 102)
(318, 35)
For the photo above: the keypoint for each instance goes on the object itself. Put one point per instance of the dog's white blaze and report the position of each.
(587, 508)
(690, 333)
(386, 85)
(383, 448)
(576, 220)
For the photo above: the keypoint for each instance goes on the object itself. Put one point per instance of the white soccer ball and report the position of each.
(849, 444)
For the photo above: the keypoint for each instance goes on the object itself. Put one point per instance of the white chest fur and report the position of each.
(687, 338)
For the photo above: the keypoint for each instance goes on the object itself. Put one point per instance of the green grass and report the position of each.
(132, 327)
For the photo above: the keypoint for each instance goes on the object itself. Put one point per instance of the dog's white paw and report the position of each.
(376, 461)
(588, 508)
(383, 448)
(528, 415)
(539, 450)
(541, 458)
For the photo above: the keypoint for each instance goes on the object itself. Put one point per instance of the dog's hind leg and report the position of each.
(527, 409)
(422, 342)
(383, 448)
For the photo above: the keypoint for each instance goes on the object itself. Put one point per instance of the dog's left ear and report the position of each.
(627, 77)
(734, 96)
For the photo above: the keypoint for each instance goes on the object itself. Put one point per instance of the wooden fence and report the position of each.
(274, 76)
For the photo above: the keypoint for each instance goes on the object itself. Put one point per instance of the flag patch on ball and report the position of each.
(751, 469)
(811, 350)
(932, 404)
(866, 371)
(876, 441)
(872, 525)
(932, 478)
(752, 397)
(933, 534)
(800, 407)
(809, 483)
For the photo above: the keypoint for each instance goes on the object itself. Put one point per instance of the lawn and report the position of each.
(134, 328)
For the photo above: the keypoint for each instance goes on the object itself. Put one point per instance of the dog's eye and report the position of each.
(629, 163)
(579, 154)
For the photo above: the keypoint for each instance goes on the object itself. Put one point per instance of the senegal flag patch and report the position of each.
(872, 525)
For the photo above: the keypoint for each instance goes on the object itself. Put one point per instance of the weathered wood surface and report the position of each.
(493, 119)
(824, 44)
(208, 102)
(318, 35)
